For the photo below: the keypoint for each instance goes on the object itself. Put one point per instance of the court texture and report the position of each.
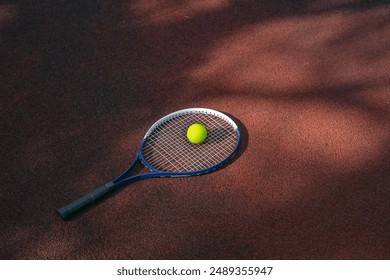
(307, 83)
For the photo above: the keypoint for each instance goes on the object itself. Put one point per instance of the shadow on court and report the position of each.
(306, 82)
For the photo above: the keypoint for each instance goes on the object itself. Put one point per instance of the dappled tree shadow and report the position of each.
(82, 82)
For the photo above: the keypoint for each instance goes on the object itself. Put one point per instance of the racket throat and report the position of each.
(135, 178)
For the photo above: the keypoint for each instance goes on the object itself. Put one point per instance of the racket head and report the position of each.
(165, 149)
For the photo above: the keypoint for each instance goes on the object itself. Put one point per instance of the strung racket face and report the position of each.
(166, 151)
(165, 147)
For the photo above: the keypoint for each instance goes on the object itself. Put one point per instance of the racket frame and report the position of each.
(124, 179)
(188, 173)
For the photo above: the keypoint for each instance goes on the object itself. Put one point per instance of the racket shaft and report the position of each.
(85, 201)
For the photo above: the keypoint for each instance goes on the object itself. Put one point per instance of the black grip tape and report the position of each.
(69, 210)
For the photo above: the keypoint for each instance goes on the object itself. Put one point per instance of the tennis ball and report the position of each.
(196, 133)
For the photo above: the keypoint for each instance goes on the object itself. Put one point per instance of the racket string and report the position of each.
(178, 150)
(175, 150)
(207, 160)
(167, 148)
(207, 157)
(166, 144)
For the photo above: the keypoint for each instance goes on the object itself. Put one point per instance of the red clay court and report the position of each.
(306, 81)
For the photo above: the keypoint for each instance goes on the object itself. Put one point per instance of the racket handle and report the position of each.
(69, 210)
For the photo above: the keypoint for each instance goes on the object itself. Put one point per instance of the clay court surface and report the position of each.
(306, 81)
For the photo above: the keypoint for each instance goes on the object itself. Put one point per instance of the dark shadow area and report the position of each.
(83, 80)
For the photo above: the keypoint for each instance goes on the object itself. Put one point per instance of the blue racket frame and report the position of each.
(123, 179)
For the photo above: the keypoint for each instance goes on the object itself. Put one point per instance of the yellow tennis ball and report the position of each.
(196, 133)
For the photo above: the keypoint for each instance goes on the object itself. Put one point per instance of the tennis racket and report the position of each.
(166, 152)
